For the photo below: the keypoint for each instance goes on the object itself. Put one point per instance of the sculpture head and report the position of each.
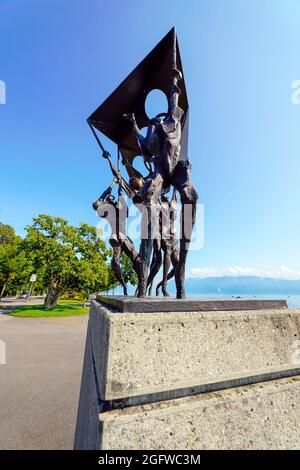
(136, 183)
(103, 201)
(158, 119)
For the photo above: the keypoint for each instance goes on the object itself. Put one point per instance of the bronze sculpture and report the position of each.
(115, 212)
(168, 245)
(164, 151)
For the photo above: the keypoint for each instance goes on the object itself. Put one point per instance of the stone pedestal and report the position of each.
(194, 379)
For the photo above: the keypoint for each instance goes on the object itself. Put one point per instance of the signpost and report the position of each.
(32, 280)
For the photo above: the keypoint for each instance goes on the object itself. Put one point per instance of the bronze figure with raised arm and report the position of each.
(122, 118)
(116, 213)
(161, 146)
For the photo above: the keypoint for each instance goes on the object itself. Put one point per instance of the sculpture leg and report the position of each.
(183, 183)
(133, 255)
(145, 255)
(150, 289)
(156, 263)
(157, 288)
(150, 285)
(150, 225)
(175, 255)
(174, 260)
(167, 262)
(115, 265)
(188, 197)
(170, 275)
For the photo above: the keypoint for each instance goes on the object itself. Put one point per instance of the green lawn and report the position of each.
(71, 301)
(58, 311)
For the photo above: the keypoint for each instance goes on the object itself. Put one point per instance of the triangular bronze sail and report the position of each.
(154, 72)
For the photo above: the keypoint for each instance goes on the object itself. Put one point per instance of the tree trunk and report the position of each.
(3, 290)
(51, 298)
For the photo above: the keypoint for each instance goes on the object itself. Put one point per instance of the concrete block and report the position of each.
(169, 304)
(146, 353)
(88, 432)
(149, 359)
(262, 416)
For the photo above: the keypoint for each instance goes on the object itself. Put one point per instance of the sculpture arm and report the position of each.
(135, 129)
(177, 76)
(107, 156)
(107, 192)
(104, 195)
(124, 185)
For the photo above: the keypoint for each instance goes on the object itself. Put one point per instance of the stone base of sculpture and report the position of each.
(210, 379)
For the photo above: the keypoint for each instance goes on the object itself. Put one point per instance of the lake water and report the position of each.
(293, 301)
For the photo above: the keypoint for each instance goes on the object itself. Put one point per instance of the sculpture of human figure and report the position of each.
(132, 189)
(161, 146)
(168, 245)
(116, 213)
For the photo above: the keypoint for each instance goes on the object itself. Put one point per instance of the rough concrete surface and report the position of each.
(154, 363)
(262, 416)
(40, 382)
(88, 432)
(154, 352)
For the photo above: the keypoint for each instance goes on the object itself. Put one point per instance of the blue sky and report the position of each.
(61, 59)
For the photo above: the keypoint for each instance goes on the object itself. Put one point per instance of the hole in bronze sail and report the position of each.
(156, 102)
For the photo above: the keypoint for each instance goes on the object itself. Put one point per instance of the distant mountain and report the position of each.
(231, 285)
(246, 285)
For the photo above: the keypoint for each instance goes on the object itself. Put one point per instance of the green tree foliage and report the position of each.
(15, 267)
(128, 273)
(7, 234)
(67, 257)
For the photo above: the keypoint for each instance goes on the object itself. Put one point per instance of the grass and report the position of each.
(58, 311)
(71, 301)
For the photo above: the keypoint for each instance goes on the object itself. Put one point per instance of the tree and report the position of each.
(8, 266)
(128, 273)
(14, 265)
(67, 257)
(7, 234)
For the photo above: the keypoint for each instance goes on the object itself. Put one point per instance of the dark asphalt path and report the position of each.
(39, 384)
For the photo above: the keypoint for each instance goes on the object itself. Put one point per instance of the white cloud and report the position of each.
(283, 272)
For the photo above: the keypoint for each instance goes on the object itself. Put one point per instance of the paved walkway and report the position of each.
(9, 303)
(40, 382)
